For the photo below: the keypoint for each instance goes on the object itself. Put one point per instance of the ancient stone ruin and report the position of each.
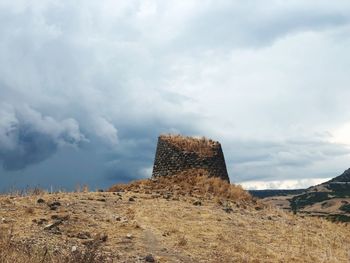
(176, 154)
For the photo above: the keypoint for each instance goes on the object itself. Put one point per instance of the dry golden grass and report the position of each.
(201, 146)
(190, 182)
(162, 217)
(13, 251)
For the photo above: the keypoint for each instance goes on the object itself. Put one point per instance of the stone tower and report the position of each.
(177, 153)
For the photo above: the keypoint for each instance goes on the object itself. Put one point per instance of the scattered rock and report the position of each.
(103, 238)
(167, 196)
(54, 205)
(101, 199)
(165, 234)
(60, 217)
(53, 225)
(89, 242)
(131, 199)
(150, 258)
(83, 235)
(40, 221)
(197, 203)
(53, 228)
(7, 221)
(129, 236)
(228, 209)
(74, 248)
(40, 201)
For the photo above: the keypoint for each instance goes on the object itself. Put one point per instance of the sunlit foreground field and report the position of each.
(181, 219)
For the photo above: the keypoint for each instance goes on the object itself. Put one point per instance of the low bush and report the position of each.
(189, 182)
(201, 146)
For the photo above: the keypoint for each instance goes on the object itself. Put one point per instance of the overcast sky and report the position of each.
(87, 86)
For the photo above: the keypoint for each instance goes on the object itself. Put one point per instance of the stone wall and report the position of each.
(170, 160)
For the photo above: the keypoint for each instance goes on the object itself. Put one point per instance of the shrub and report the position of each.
(201, 146)
(345, 208)
(189, 182)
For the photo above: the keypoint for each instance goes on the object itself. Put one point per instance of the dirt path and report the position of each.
(154, 246)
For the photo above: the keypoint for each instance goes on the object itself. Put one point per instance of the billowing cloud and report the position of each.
(27, 137)
(270, 81)
(105, 131)
(283, 184)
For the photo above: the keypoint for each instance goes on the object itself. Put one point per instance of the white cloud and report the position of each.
(146, 172)
(283, 184)
(341, 134)
(106, 131)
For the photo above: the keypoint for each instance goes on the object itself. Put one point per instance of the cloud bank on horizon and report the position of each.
(86, 87)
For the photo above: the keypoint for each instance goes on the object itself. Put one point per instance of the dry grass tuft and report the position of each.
(201, 146)
(28, 191)
(29, 210)
(15, 252)
(81, 189)
(182, 241)
(192, 182)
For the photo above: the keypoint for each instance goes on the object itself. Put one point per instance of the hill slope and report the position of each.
(330, 199)
(345, 177)
(143, 223)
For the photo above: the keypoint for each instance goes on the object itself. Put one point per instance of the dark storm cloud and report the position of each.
(32, 148)
(27, 137)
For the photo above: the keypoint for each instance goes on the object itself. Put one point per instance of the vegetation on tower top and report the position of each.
(201, 146)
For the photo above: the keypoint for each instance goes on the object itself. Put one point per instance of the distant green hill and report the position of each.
(332, 197)
(344, 178)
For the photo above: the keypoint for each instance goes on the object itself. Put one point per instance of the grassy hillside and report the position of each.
(330, 199)
(164, 220)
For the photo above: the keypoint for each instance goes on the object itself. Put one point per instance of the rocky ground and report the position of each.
(144, 224)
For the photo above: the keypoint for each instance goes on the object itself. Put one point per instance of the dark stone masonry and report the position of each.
(171, 159)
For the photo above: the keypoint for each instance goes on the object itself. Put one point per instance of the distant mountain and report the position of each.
(272, 192)
(345, 177)
(337, 187)
(330, 199)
